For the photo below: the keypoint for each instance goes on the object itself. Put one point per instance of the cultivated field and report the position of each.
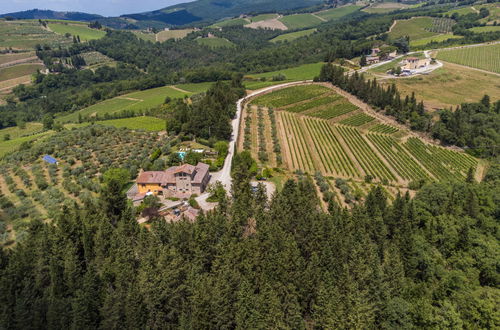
(84, 32)
(337, 13)
(7, 58)
(18, 71)
(436, 38)
(172, 34)
(27, 34)
(293, 35)
(39, 190)
(484, 57)
(384, 7)
(489, 28)
(310, 142)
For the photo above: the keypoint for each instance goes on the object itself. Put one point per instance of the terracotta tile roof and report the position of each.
(150, 177)
(201, 172)
(186, 168)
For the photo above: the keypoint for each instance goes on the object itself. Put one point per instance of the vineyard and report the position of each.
(384, 129)
(444, 164)
(290, 95)
(483, 57)
(358, 119)
(310, 142)
(334, 110)
(405, 166)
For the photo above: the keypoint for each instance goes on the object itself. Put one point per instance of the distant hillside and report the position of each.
(50, 14)
(202, 10)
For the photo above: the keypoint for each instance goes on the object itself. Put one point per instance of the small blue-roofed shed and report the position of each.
(49, 159)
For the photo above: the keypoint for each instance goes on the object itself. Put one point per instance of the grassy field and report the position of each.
(293, 35)
(263, 17)
(14, 143)
(83, 31)
(415, 28)
(449, 86)
(27, 34)
(145, 36)
(230, 22)
(300, 21)
(489, 28)
(17, 71)
(145, 123)
(302, 72)
(133, 101)
(384, 7)
(16, 132)
(173, 34)
(215, 42)
(483, 57)
(436, 38)
(336, 13)
(195, 88)
(14, 57)
(461, 11)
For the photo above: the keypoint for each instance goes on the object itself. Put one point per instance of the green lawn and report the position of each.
(437, 38)
(18, 71)
(215, 42)
(300, 21)
(254, 85)
(293, 35)
(83, 31)
(415, 28)
(302, 72)
(489, 28)
(136, 101)
(336, 13)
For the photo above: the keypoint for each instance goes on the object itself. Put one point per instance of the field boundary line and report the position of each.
(348, 150)
(319, 17)
(472, 68)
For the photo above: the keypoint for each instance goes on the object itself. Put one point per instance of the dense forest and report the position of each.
(426, 262)
(471, 125)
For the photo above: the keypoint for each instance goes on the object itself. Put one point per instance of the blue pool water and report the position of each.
(182, 154)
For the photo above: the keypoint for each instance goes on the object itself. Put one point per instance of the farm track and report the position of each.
(33, 59)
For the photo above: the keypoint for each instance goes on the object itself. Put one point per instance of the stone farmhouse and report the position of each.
(178, 181)
(412, 63)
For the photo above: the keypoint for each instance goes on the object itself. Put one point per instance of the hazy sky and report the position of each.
(102, 7)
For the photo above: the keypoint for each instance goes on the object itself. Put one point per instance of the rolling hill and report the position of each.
(50, 14)
(205, 10)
